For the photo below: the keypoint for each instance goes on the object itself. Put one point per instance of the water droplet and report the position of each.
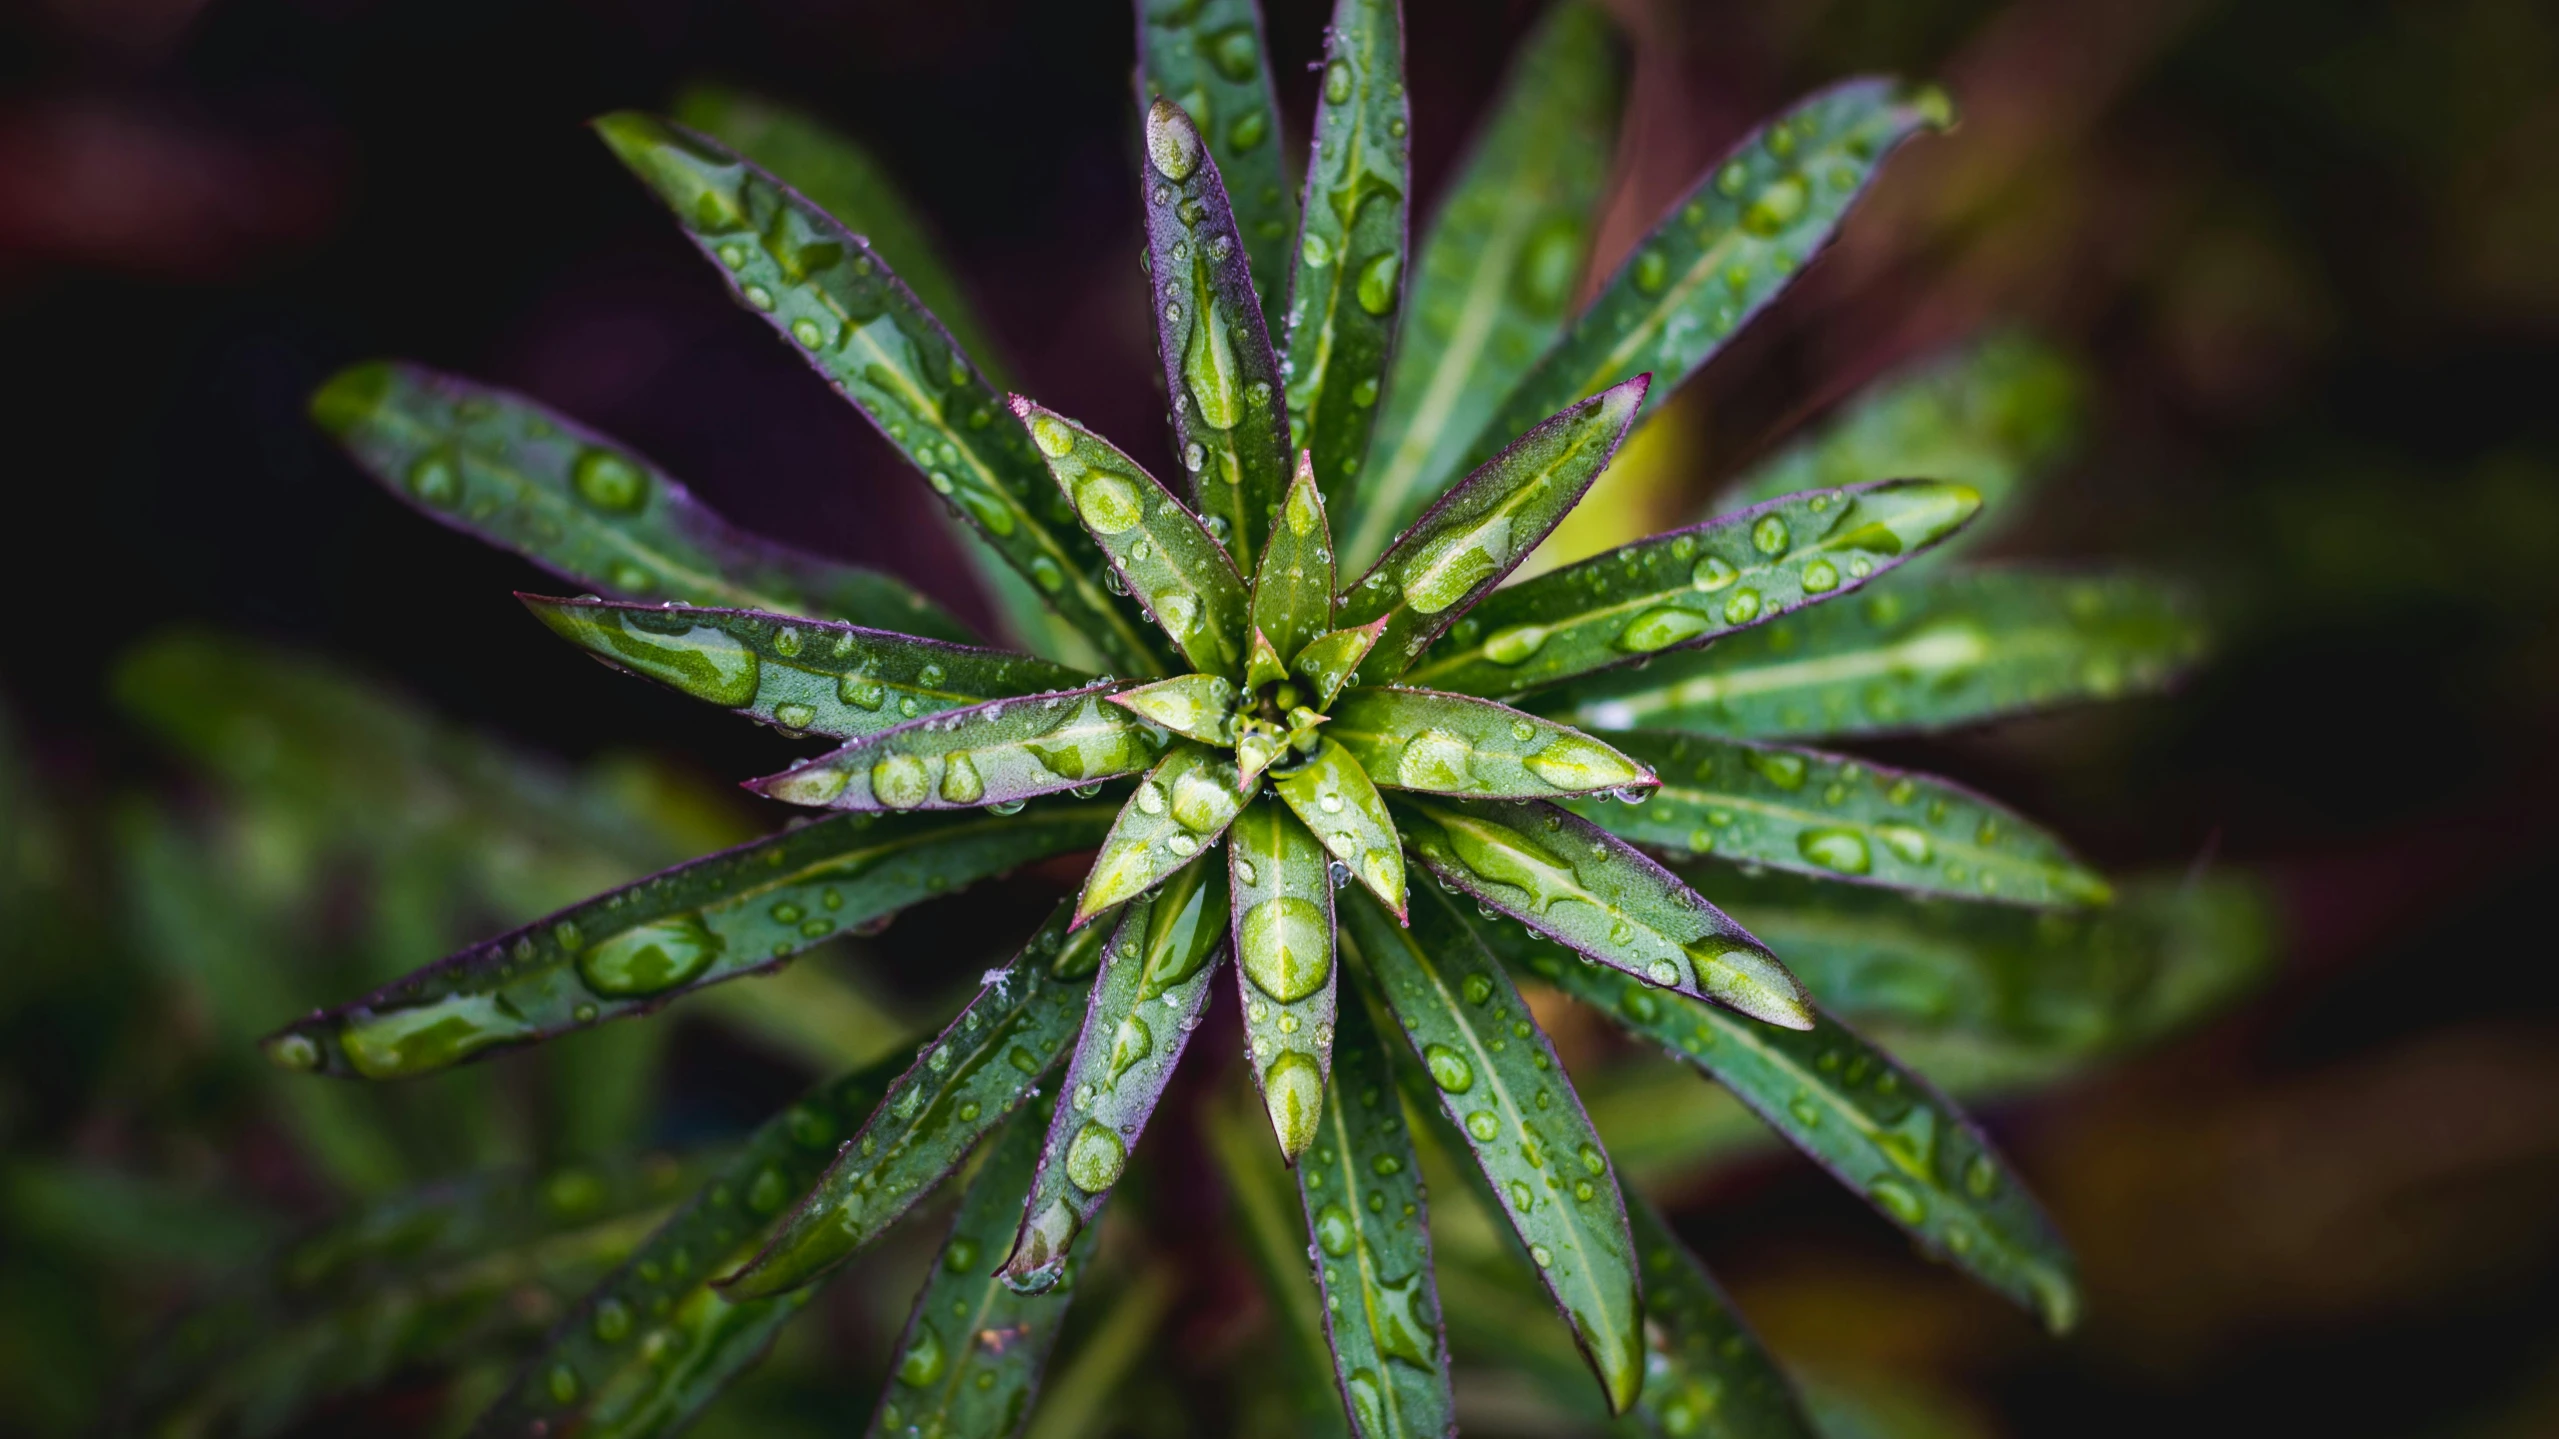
(609, 482)
(1287, 947)
(1484, 1125)
(1569, 762)
(960, 781)
(1742, 608)
(562, 1384)
(1712, 574)
(759, 297)
(1180, 613)
(1909, 842)
(1821, 577)
(794, 715)
(1315, 250)
(1248, 131)
(294, 1051)
(1769, 536)
(1447, 568)
(1449, 1069)
(902, 781)
(923, 1361)
(1662, 972)
(1545, 1257)
(1898, 1200)
(1108, 502)
(861, 691)
(1052, 435)
(1293, 1089)
(1514, 644)
(1337, 82)
(1376, 289)
(1650, 271)
(1661, 627)
(650, 958)
(1777, 206)
(1095, 1158)
(1131, 1042)
(1834, 848)
(1172, 146)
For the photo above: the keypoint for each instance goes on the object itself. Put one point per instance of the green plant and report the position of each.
(1323, 735)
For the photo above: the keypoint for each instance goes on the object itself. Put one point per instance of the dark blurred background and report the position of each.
(2307, 250)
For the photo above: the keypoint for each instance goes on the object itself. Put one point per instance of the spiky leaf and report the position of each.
(1331, 658)
(1208, 56)
(1293, 588)
(1002, 752)
(1179, 809)
(1706, 1367)
(632, 949)
(1473, 748)
(1200, 707)
(1284, 972)
(1341, 805)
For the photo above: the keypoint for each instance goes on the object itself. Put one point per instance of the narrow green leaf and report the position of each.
(1259, 1192)
(655, 1342)
(1496, 271)
(1284, 971)
(1925, 652)
(1330, 659)
(800, 676)
(1162, 553)
(1208, 56)
(1002, 752)
(1841, 818)
(1218, 365)
(1347, 280)
(1728, 247)
(1180, 808)
(1481, 530)
(1706, 1367)
(1497, 1079)
(1882, 1130)
(1293, 588)
(971, 1355)
(957, 1089)
(1590, 891)
(503, 469)
(1339, 802)
(857, 324)
(1679, 590)
(1200, 707)
(629, 950)
(1153, 987)
(1473, 748)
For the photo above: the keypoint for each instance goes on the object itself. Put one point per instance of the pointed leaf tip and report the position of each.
(351, 396)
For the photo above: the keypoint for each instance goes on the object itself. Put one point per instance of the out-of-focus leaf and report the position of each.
(1208, 57)
(1840, 818)
(1724, 251)
(1282, 912)
(1347, 284)
(856, 323)
(1341, 807)
(503, 469)
(1077, 1405)
(1496, 1077)
(1472, 748)
(1923, 652)
(1706, 1373)
(1293, 588)
(628, 951)
(1584, 888)
(1679, 590)
(1001, 752)
(87, 1208)
(1258, 1186)
(1179, 809)
(1497, 269)
(1482, 529)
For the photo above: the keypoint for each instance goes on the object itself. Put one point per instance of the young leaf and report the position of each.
(1841, 818)
(1330, 659)
(1482, 529)
(971, 1355)
(1584, 888)
(1153, 988)
(800, 676)
(1679, 590)
(1496, 271)
(1208, 56)
(1293, 588)
(632, 949)
(1341, 805)
(1001, 752)
(503, 469)
(1496, 1078)
(1160, 550)
(850, 316)
(606, 1371)
(1362, 1189)
(1460, 745)
(1218, 364)
(1284, 972)
(1880, 1128)
(1348, 280)
(1200, 707)
(959, 1087)
(1725, 250)
(1706, 1367)
(1179, 809)
(1926, 652)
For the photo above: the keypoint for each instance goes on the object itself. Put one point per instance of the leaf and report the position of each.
(971, 1355)
(1293, 588)
(1259, 1189)
(1729, 246)
(1347, 281)
(957, 1090)
(1330, 659)
(1836, 817)
(1481, 530)
(1153, 988)
(857, 324)
(1161, 551)
(1679, 590)
(1497, 268)
(1925, 652)
(1285, 977)
(1570, 880)
(1179, 809)
(631, 949)
(1496, 1077)
(1339, 803)
(1208, 56)
(1882, 1130)
(652, 1344)
(1218, 365)
(503, 469)
(1706, 1366)
(800, 676)
(1002, 752)
(1362, 1190)
(1200, 707)
(1459, 745)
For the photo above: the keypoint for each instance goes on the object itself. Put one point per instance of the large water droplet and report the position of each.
(1448, 567)
(1052, 435)
(1095, 1158)
(1108, 502)
(1661, 627)
(609, 482)
(1334, 1231)
(1769, 536)
(1836, 848)
(1287, 948)
(1908, 842)
(1337, 82)
(1376, 290)
(960, 781)
(1484, 1125)
(902, 781)
(1293, 1092)
(1435, 759)
(1514, 644)
(924, 1360)
(650, 958)
(1449, 1069)
(1898, 1200)
(1131, 1042)
(1172, 146)
(1571, 763)
(1776, 207)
